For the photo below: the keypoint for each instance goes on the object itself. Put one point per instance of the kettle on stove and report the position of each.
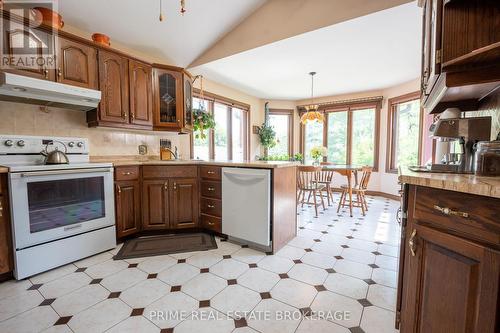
(55, 156)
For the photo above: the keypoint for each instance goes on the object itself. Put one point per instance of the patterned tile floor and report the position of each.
(337, 275)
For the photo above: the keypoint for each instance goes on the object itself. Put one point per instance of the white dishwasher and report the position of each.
(246, 204)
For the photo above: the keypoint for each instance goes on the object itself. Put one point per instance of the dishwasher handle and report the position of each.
(233, 173)
(244, 177)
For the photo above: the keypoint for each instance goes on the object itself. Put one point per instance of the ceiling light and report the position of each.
(312, 113)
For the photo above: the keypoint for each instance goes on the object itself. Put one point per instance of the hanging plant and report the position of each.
(202, 122)
(267, 135)
(202, 119)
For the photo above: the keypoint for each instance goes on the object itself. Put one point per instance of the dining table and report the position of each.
(348, 170)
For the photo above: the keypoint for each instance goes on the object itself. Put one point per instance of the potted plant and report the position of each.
(317, 153)
(267, 135)
(202, 122)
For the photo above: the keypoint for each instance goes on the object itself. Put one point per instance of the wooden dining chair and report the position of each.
(307, 183)
(359, 190)
(326, 178)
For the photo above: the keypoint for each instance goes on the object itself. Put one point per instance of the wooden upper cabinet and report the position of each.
(184, 203)
(431, 48)
(188, 102)
(76, 63)
(113, 82)
(141, 93)
(19, 40)
(451, 284)
(128, 207)
(155, 204)
(168, 102)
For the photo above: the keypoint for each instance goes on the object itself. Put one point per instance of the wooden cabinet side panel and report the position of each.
(284, 206)
(6, 247)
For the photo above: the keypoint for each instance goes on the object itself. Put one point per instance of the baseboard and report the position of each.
(384, 195)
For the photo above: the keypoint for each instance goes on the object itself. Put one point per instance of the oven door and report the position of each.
(50, 205)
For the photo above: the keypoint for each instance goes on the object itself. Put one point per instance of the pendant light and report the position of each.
(312, 113)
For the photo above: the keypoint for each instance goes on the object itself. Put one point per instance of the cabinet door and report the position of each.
(113, 82)
(76, 63)
(168, 98)
(141, 93)
(155, 205)
(128, 206)
(431, 64)
(184, 203)
(188, 102)
(451, 284)
(21, 42)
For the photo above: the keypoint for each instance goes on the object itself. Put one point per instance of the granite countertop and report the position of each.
(487, 186)
(140, 160)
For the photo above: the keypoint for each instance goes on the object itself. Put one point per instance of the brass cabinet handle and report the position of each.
(124, 115)
(165, 186)
(211, 189)
(132, 115)
(210, 223)
(59, 72)
(118, 189)
(1, 207)
(210, 206)
(211, 172)
(175, 186)
(412, 244)
(46, 72)
(126, 173)
(448, 211)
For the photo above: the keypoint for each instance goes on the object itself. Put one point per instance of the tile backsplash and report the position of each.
(26, 119)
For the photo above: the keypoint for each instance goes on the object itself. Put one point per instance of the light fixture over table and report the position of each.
(312, 113)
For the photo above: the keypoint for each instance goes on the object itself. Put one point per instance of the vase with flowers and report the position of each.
(317, 153)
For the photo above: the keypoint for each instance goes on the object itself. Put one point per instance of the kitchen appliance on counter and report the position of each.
(487, 159)
(461, 134)
(60, 212)
(246, 206)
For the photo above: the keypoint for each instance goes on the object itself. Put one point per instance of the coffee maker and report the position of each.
(467, 131)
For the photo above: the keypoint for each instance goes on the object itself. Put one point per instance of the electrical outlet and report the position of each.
(143, 149)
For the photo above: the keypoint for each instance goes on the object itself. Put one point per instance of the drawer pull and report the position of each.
(210, 206)
(412, 244)
(126, 173)
(210, 223)
(211, 189)
(211, 172)
(448, 211)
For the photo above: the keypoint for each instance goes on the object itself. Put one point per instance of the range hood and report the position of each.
(24, 89)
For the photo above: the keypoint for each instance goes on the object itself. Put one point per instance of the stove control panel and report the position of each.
(24, 145)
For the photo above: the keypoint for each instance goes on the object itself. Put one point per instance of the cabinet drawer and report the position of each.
(127, 173)
(472, 216)
(211, 189)
(211, 222)
(211, 206)
(210, 172)
(161, 171)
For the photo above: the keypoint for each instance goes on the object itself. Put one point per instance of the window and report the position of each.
(229, 140)
(282, 122)
(350, 133)
(404, 126)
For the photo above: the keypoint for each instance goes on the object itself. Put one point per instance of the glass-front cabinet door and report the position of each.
(188, 102)
(168, 98)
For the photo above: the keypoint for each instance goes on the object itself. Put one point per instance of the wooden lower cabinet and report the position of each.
(155, 204)
(184, 203)
(449, 283)
(6, 248)
(128, 207)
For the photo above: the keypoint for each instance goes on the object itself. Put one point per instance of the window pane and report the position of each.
(337, 137)
(363, 137)
(408, 121)
(200, 145)
(280, 124)
(239, 133)
(313, 137)
(220, 135)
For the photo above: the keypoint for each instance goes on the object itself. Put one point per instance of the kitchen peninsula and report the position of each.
(154, 195)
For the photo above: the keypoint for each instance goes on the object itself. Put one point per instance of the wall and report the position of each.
(25, 119)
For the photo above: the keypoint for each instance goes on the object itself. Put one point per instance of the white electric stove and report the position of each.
(60, 213)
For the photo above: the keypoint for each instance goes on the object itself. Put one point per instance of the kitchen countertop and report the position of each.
(487, 186)
(140, 160)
